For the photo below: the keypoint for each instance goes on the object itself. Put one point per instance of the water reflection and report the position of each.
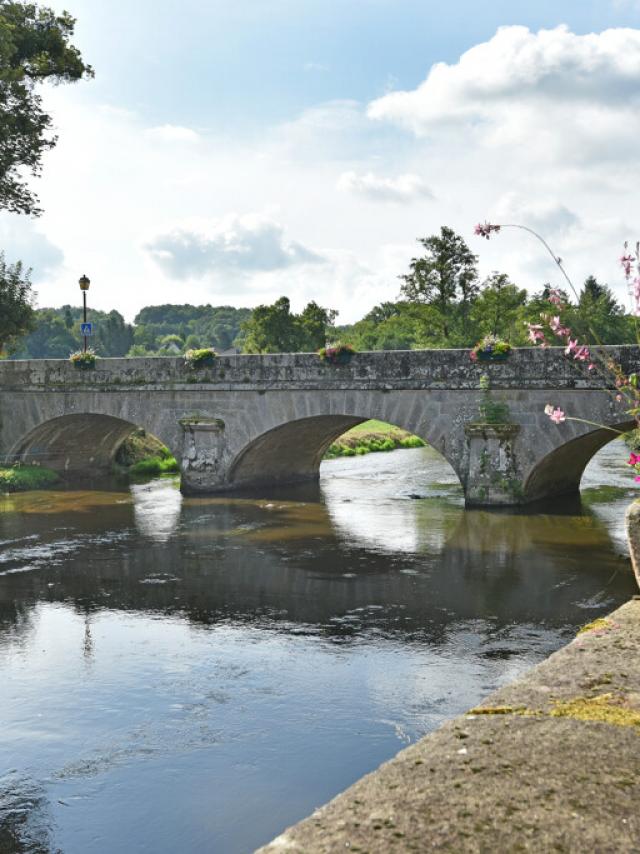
(194, 675)
(156, 508)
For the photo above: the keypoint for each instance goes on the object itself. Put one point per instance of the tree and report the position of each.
(498, 309)
(271, 329)
(312, 325)
(34, 47)
(446, 277)
(16, 302)
(599, 317)
(275, 329)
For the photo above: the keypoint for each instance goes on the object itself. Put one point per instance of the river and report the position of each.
(193, 675)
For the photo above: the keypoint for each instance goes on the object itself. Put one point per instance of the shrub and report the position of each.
(20, 478)
(155, 465)
(195, 359)
(412, 442)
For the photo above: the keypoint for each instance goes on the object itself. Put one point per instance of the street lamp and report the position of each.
(84, 283)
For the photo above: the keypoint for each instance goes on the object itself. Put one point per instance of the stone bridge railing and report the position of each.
(526, 368)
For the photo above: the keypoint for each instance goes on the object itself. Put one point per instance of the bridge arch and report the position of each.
(293, 450)
(561, 470)
(78, 443)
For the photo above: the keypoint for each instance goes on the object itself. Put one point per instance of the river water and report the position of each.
(193, 675)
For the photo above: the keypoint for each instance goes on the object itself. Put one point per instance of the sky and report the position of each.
(234, 152)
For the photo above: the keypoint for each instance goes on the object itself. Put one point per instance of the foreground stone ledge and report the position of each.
(549, 763)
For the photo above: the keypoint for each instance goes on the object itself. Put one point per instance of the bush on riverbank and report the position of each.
(372, 437)
(143, 454)
(155, 465)
(22, 478)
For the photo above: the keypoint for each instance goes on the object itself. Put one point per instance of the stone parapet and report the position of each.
(526, 368)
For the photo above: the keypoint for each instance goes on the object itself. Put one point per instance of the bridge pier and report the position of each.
(202, 466)
(493, 476)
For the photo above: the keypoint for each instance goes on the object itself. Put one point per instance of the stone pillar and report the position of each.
(493, 473)
(203, 448)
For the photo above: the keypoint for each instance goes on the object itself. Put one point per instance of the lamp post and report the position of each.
(84, 287)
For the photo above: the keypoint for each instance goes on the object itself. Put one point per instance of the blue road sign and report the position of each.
(86, 328)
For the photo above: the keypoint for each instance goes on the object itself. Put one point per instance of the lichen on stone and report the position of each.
(596, 625)
(605, 708)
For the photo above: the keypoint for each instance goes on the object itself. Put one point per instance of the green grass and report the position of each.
(372, 437)
(143, 455)
(155, 465)
(23, 478)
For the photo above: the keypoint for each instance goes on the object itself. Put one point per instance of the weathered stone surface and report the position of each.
(281, 411)
(633, 536)
(532, 769)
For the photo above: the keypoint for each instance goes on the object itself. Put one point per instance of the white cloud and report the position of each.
(22, 240)
(242, 245)
(403, 188)
(173, 133)
(146, 215)
(553, 88)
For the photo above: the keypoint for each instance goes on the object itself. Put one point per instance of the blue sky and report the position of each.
(230, 152)
(252, 62)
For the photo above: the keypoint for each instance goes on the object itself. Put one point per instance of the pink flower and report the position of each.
(633, 460)
(626, 262)
(556, 326)
(571, 347)
(591, 366)
(582, 354)
(555, 414)
(554, 297)
(484, 229)
(473, 356)
(637, 478)
(535, 333)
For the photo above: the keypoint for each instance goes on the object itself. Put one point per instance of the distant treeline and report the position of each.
(157, 330)
(442, 303)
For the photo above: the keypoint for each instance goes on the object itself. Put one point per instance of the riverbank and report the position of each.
(372, 437)
(24, 478)
(549, 763)
(142, 454)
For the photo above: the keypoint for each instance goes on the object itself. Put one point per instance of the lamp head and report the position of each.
(84, 283)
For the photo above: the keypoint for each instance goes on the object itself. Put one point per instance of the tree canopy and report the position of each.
(16, 303)
(34, 47)
(446, 278)
(275, 329)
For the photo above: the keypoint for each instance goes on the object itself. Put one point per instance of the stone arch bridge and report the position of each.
(255, 421)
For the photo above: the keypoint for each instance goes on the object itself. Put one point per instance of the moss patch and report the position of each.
(605, 708)
(596, 626)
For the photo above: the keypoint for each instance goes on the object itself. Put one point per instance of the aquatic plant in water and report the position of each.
(552, 329)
